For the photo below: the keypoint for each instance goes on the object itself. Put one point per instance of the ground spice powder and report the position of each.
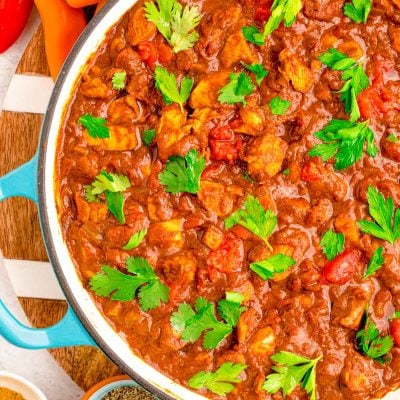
(7, 394)
(127, 393)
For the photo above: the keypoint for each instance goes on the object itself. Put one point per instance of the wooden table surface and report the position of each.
(20, 236)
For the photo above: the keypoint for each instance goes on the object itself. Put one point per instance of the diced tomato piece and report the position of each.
(395, 331)
(342, 268)
(148, 53)
(224, 144)
(228, 257)
(263, 11)
(312, 171)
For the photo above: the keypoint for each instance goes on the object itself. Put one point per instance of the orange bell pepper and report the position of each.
(81, 3)
(62, 26)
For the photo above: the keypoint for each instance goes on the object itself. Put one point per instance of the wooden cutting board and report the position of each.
(20, 236)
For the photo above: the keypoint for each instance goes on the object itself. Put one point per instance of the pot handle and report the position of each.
(69, 331)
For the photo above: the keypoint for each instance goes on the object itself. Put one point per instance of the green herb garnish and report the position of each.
(286, 172)
(95, 126)
(192, 323)
(344, 141)
(375, 262)
(219, 382)
(332, 244)
(167, 84)
(148, 136)
(123, 287)
(258, 70)
(174, 22)
(392, 138)
(279, 106)
(269, 268)
(119, 80)
(291, 370)
(358, 10)
(182, 174)
(387, 219)
(254, 218)
(237, 89)
(135, 240)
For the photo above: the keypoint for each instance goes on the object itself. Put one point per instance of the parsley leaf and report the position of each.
(220, 381)
(371, 343)
(148, 136)
(95, 126)
(113, 186)
(135, 240)
(354, 76)
(123, 287)
(387, 219)
(281, 10)
(192, 323)
(392, 138)
(182, 174)
(258, 70)
(291, 370)
(237, 89)
(272, 266)
(358, 11)
(254, 218)
(332, 244)
(344, 140)
(119, 80)
(167, 84)
(375, 262)
(175, 23)
(279, 106)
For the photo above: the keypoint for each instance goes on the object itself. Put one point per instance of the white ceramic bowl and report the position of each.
(20, 385)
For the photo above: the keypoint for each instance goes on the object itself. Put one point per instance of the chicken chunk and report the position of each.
(263, 343)
(324, 10)
(253, 121)
(121, 138)
(348, 226)
(166, 234)
(95, 88)
(295, 71)
(213, 237)
(93, 212)
(237, 49)
(205, 94)
(140, 28)
(265, 156)
(121, 112)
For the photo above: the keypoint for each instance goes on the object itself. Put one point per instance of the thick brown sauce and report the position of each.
(305, 315)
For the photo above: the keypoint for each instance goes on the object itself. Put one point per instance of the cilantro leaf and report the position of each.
(175, 23)
(254, 218)
(371, 343)
(220, 381)
(291, 370)
(375, 262)
(387, 219)
(192, 323)
(392, 138)
(358, 10)
(95, 126)
(119, 80)
(167, 84)
(332, 244)
(286, 172)
(396, 315)
(115, 204)
(182, 174)
(279, 106)
(123, 287)
(237, 89)
(272, 266)
(354, 77)
(344, 140)
(258, 70)
(282, 10)
(148, 136)
(253, 35)
(135, 240)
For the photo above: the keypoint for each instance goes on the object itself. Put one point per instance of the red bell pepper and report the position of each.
(342, 268)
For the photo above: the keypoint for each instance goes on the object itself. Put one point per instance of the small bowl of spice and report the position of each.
(14, 387)
(118, 388)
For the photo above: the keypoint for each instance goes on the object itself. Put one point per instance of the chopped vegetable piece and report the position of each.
(358, 10)
(148, 136)
(95, 126)
(375, 263)
(372, 344)
(192, 323)
(175, 23)
(122, 287)
(291, 370)
(395, 328)
(269, 268)
(167, 84)
(182, 174)
(344, 141)
(135, 240)
(220, 381)
(258, 70)
(254, 218)
(237, 89)
(253, 35)
(279, 106)
(342, 268)
(119, 80)
(387, 219)
(332, 244)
